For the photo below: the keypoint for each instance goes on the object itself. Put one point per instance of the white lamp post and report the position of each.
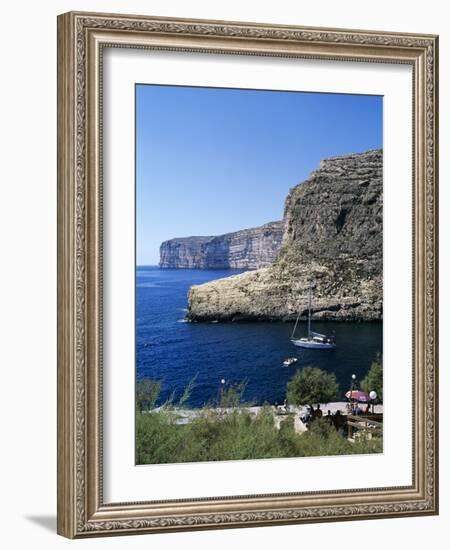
(373, 395)
(220, 391)
(352, 385)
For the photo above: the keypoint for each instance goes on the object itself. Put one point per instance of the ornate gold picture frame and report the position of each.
(82, 39)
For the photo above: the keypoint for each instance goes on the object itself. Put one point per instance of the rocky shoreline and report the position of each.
(333, 237)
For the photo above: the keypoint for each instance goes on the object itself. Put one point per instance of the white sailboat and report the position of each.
(314, 340)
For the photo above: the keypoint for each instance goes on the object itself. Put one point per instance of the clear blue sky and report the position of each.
(212, 160)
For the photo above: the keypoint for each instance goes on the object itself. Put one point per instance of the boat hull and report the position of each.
(289, 363)
(313, 345)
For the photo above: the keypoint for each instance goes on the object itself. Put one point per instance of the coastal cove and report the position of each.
(175, 351)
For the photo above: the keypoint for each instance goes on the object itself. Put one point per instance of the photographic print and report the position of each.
(259, 274)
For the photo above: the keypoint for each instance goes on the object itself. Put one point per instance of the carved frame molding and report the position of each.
(81, 39)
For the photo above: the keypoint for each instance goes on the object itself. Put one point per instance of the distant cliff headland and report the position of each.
(332, 235)
(246, 249)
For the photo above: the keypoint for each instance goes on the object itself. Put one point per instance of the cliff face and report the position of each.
(246, 249)
(332, 237)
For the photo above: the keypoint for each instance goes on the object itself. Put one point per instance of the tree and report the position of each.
(374, 378)
(232, 396)
(312, 385)
(147, 393)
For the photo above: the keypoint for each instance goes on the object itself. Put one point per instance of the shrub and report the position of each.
(312, 385)
(147, 393)
(232, 396)
(238, 434)
(374, 378)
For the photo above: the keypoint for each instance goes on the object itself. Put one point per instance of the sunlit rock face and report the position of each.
(332, 239)
(246, 249)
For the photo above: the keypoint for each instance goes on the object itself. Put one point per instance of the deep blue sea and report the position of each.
(174, 351)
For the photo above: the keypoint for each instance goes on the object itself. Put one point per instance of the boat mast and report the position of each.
(309, 313)
(309, 317)
(295, 326)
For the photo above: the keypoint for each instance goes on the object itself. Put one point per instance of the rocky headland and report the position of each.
(332, 236)
(246, 249)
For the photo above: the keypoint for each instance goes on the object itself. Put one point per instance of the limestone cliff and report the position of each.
(245, 249)
(332, 237)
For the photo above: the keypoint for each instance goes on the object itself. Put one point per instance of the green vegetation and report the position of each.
(232, 396)
(311, 385)
(374, 378)
(147, 393)
(236, 436)
(229, 431)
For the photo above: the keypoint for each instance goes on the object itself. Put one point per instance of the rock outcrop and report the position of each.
(332, 237)
(245, 249)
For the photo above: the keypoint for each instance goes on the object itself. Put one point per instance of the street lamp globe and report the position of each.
(373, 395)
(222, 381)
(353, 376)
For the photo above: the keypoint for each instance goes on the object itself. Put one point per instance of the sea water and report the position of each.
(174, 351)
